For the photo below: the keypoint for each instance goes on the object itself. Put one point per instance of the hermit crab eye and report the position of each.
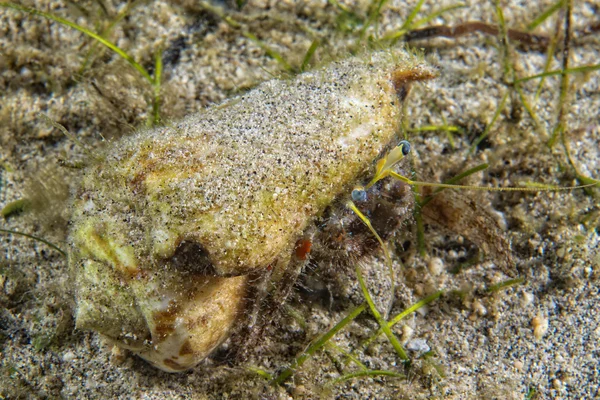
(405, 147)
(359, 194)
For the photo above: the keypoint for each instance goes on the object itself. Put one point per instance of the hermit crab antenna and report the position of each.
(408, 181)
(385, 168)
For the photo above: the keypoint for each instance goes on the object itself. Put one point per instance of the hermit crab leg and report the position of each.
(383, 169)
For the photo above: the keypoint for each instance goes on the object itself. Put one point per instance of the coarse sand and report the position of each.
(536, 338)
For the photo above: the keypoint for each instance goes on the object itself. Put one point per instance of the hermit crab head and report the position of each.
(169, 228)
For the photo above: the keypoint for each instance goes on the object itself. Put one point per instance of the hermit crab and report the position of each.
(174, 227)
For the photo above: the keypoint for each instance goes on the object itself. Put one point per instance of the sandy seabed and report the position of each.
(539, 338)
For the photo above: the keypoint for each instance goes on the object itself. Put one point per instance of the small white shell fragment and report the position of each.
(479, 308)
(557, 384)
(435, 266)
(527, 299)
(407, 334)
(69, 356)
(518, 365)
(418, 345)
(540, 326)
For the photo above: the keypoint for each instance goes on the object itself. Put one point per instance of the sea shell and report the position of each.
(169, 227)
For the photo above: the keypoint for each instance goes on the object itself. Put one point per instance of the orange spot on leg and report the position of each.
(303, 248)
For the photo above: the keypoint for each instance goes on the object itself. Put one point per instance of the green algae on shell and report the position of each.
(169, 226)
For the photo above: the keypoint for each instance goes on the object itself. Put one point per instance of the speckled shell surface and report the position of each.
(166, 229)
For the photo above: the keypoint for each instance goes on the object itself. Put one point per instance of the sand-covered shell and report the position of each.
(168, 227)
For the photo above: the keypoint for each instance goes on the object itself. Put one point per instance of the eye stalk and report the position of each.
(359, 194)
(405, 147)
(385, 165)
